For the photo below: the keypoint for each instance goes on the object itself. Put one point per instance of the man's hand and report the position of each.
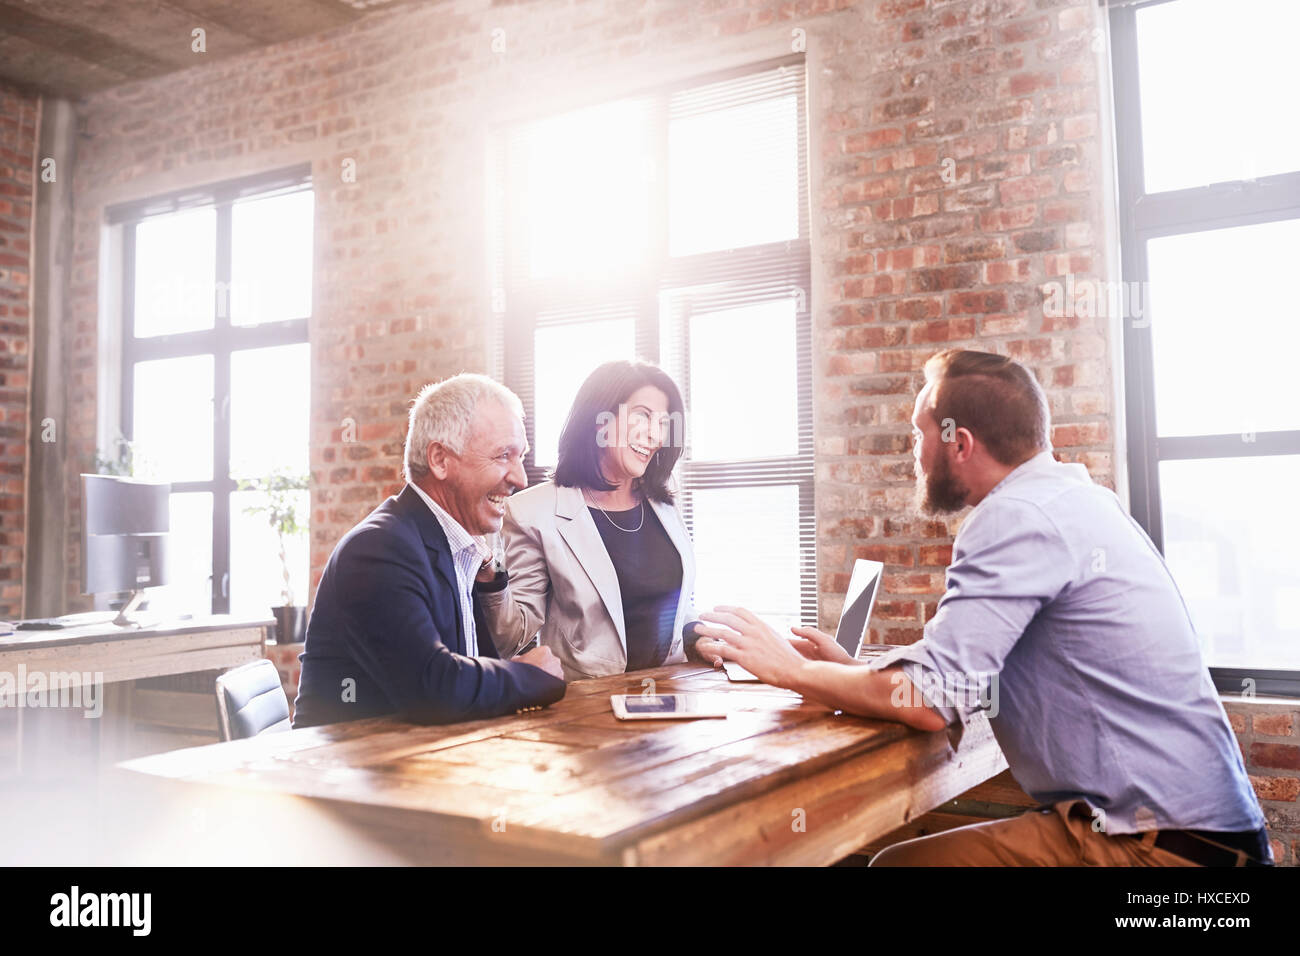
(543, 658)
(696, 653)
(815, 666)
(819, 646)
(738, 635)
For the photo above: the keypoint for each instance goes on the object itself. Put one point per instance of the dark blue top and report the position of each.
(649, 573)
(386, 633)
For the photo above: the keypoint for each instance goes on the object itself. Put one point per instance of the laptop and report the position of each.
(851, 634)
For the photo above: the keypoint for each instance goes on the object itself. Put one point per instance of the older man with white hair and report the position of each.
(396, 627)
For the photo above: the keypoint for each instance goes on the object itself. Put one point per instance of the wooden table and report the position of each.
(779, 781)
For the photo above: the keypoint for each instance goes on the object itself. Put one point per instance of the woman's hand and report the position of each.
(487, 571)
(819, 646)
(736, 634)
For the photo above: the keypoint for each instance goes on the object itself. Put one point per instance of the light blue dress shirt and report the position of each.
(466, 557)
(1061, 619)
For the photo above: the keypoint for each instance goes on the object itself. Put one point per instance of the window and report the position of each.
(673, 226)
(1210, 206)
(216, 379)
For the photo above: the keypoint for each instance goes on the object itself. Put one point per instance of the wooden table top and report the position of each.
(571, 780)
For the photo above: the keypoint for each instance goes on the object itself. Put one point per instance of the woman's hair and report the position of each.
(593, 419)
(999, 400)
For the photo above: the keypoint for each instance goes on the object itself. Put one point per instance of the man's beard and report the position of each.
(938, 491)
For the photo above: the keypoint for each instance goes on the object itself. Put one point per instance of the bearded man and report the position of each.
(1058, 606)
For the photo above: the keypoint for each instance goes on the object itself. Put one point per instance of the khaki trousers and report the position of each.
(1042, 837)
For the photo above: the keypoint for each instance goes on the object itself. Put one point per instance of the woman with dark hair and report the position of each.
(598, 558)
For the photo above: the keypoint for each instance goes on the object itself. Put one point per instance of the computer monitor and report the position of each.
(124, 529)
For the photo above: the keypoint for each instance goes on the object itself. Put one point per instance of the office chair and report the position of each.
(250, 701)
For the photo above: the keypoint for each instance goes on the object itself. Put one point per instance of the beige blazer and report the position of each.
(563, 584)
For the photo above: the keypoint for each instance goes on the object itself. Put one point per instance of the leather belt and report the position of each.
(1184, 843)
(1199, 850)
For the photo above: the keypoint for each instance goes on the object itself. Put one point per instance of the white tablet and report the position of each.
(667, 706)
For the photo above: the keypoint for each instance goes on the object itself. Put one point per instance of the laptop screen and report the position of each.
(858, 602)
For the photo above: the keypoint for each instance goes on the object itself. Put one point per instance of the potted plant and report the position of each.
(120, 461)
(280, 508)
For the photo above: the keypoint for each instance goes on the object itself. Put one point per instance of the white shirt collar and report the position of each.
(458, 539)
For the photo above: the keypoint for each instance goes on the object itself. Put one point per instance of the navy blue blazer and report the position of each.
(386, 635)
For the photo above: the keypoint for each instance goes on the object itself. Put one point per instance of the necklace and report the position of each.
(615, 523)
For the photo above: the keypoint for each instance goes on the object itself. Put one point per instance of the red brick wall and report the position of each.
(1268, 733)
(961, 170)
(18, 139)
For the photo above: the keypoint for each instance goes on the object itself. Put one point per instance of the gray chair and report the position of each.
(250, 701)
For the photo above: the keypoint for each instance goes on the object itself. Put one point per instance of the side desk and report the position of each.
(124, 665)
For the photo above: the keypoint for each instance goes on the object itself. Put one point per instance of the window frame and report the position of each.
(220, 341)
(785, 267)
(1144, 216)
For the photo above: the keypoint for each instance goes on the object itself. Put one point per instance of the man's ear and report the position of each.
(438, 458)
(963, 445)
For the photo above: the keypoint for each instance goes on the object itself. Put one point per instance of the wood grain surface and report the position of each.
(779, 781)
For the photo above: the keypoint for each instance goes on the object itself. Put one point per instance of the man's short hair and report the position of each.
(998, 400)
(443, 412)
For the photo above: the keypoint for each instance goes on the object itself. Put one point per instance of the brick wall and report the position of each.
(958, 164)
(961, 170)
(18, 139)
(1268, 732)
